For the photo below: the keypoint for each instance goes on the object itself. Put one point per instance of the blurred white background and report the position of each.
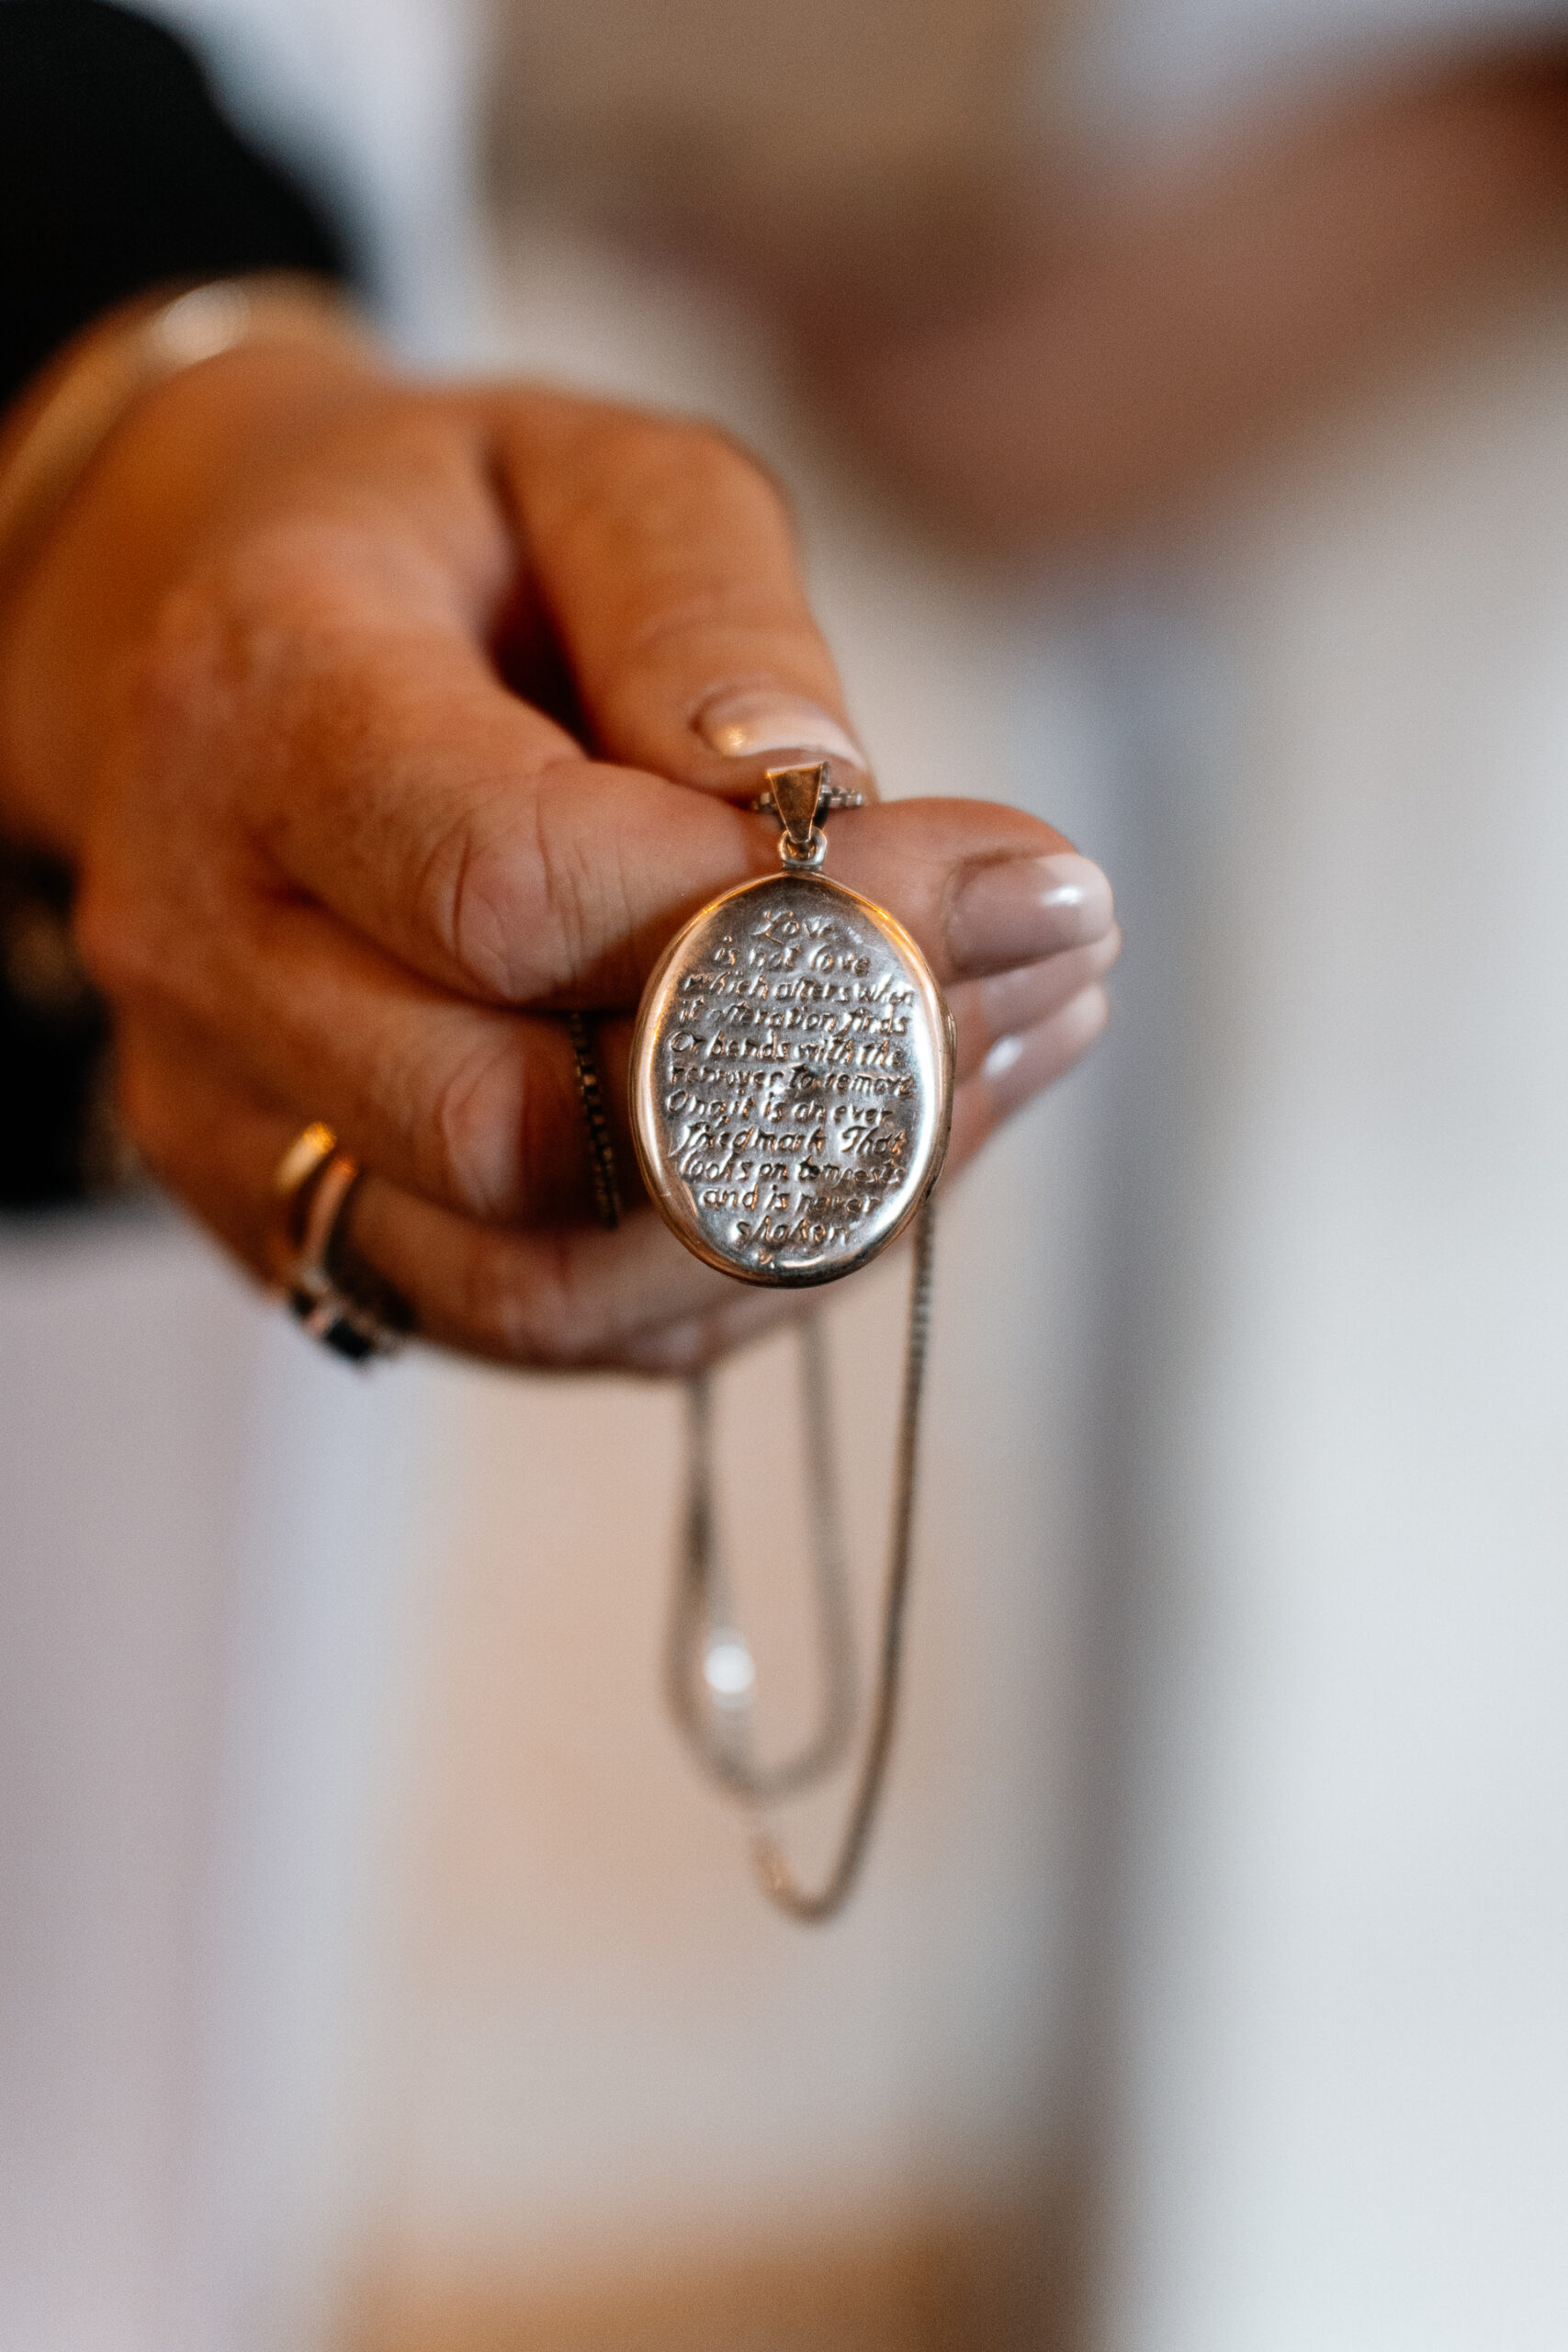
(374, 1962)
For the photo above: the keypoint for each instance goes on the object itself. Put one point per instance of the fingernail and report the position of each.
(765, 719)
(1018, 1067)
(1001, 1057)
(1014, 1000)
(1016, 910)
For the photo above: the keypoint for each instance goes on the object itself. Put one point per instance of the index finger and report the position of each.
(387, 771)
(664, 559)
(558, 884)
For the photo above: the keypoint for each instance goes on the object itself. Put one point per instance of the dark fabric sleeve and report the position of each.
(58, 1140)
(119, 172)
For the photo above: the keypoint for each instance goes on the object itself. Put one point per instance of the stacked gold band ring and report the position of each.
(312, 1187)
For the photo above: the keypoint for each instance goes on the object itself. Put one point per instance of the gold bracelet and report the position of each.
(58, 427)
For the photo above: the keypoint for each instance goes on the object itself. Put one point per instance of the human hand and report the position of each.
(302, 682)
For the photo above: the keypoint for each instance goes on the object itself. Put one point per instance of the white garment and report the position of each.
(1343, 2044)
(1341, 2035)
(1338, 2042)
(372, 102)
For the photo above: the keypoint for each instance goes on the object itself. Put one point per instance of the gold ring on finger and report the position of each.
(312, 1185)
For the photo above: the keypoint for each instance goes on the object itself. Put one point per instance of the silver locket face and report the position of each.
(791, 1076)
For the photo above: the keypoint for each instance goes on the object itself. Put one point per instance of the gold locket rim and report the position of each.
(669, 1195)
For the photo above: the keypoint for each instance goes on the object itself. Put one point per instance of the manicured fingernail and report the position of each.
(765, 719)
(1001, 1057)
(1016, 910)
(1016, 1067)
(1014, 1000)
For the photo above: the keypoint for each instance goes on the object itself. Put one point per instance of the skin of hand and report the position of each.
(1102, 354)
(302, 682)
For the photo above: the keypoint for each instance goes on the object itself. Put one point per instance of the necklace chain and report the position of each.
(709, 1673)
(714, 1718)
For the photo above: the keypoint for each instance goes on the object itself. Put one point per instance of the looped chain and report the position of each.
(718, 1727)
(710, 1673)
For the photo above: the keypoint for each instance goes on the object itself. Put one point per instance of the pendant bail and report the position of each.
(796, 792)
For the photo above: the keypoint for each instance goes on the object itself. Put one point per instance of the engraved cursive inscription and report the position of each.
(798, 1079)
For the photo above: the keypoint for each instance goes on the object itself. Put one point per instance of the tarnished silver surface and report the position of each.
(791, 1080)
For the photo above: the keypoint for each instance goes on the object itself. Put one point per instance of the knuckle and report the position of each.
(517, 904)
(643, 480)
(226, 672)
(160, 853)
(537, 1308)
(639, 447)
(521, 1337)
(703, 455)
(214, 651)
(170, 676)
(571, 879)
(117, 941)
(703, 474)
(148, 1112)
(504, 1301)
(473, 897)
(475, 1133)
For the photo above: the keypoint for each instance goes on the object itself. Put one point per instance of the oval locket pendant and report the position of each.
(792, 1070)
